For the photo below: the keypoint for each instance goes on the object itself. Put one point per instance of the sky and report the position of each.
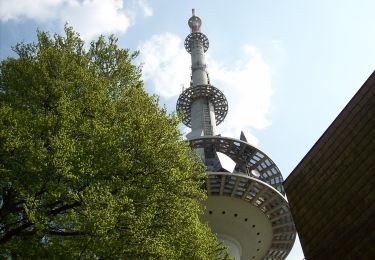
(286, 67)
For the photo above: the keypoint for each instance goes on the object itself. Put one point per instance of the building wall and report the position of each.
(332, 190)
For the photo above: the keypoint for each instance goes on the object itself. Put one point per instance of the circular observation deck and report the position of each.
(196, 36)
(189, 95)
(250, 214)
(249, 160)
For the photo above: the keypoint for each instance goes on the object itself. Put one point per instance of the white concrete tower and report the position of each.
(246, 206)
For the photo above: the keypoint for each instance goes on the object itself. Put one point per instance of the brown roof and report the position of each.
(331, 192)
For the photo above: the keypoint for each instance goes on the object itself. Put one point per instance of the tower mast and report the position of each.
(246, 207)
(203, 106)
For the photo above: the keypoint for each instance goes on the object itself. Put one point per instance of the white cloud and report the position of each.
(40, 10)
(146, 9)
(248, 89)
(89, 17)
(166, 65)
(247, 85)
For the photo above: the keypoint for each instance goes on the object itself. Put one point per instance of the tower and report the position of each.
(246, 206)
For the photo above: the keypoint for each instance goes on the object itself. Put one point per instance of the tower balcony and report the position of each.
(249, 160)
(209, 92)
(252, 215)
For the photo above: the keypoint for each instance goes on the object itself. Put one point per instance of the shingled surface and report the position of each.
(331, 192)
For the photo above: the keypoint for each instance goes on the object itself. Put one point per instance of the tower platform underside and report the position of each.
(251, 214)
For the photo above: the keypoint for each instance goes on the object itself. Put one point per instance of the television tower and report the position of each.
(246, 207)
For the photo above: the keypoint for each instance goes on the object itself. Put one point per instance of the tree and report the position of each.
(90, 166)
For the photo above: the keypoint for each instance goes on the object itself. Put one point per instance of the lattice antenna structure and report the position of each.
(246, 206)
(201, 97)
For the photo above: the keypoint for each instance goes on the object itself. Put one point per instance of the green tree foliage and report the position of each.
(90, 166)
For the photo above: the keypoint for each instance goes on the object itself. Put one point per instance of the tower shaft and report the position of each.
(203, 122)
(202, 110)
(198, 65)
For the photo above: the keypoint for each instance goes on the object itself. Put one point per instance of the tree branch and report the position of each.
(66, 233)
(64, 208)
(13, 232)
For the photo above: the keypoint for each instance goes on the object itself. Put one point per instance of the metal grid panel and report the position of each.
(246, 157)
(196, 36)
(189, 95)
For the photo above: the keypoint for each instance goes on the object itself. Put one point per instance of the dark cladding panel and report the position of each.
(332, 191)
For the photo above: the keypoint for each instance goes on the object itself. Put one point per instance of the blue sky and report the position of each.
(287, 67)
